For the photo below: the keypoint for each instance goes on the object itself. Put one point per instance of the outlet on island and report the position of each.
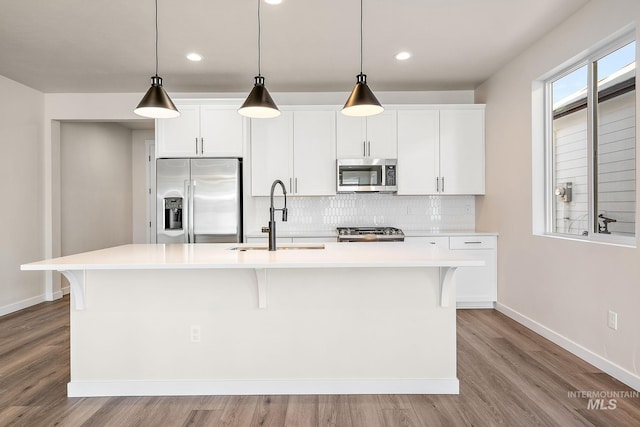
(195, 333)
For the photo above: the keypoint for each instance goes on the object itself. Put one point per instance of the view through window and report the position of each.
(592, 184)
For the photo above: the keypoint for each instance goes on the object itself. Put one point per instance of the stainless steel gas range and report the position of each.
(370, 234)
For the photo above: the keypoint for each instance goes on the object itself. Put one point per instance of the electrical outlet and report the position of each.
(195, 333)
(613, 320)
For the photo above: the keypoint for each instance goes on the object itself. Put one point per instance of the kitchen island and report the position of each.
(198, 319)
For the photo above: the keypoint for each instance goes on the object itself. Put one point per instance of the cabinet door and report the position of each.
(382, 135)
(178, 137)
(222, 131)
(350, 137)
(418, 136)
(271, 144)
(476, 286)
(462, 151)
(314, 153)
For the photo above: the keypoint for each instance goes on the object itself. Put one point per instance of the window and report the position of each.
(590, 114)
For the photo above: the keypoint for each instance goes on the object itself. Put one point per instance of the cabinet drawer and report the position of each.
(433, 242)
(472, 242)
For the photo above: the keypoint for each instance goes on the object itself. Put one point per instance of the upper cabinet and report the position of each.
(202, 131)
(298, 148)
(441, 151)
(367, 137)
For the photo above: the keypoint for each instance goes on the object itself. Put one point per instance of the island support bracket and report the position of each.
(447, 282)
(77, 281)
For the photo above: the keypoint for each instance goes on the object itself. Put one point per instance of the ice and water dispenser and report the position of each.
(173, 213)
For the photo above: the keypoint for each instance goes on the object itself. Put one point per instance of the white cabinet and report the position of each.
(201, 131)
(373, 136)
(441, 151)
(418, 152)
(462, 151)
(476, 287)
(298, 147)
(271, 144)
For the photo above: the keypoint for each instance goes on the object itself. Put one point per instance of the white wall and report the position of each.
(139, 180)
(561, 288)
(21, 161)
(96, 186)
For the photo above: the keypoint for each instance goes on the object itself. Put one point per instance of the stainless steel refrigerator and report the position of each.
(199, 200)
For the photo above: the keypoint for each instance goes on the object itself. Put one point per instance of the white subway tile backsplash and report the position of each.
(319, 214)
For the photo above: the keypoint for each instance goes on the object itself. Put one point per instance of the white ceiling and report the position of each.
(108, 46)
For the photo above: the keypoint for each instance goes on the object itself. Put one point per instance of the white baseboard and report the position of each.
(618, 372)
(19, 305)
(261, 387)
(475, 304)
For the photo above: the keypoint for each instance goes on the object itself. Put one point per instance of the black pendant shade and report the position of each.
(259, 103)
(362, 101)
(156, 103)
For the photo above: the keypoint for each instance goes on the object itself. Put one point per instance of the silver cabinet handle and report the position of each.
(290, 185)
(443, 184)
(364, 148)
(196, 145)
(437, 184)
(296, 185)
(201, 145)
(369, 148)
(472, 243)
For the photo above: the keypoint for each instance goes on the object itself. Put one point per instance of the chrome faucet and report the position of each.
(272, 211)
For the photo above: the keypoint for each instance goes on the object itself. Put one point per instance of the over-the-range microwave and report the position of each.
(366, 175)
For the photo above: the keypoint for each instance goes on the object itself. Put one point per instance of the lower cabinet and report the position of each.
(476, 286)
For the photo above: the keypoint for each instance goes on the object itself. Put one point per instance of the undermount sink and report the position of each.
(278, 248)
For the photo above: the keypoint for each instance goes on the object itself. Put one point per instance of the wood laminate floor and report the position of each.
(508, 375)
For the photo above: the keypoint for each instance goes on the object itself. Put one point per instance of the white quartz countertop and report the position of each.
(202, 256)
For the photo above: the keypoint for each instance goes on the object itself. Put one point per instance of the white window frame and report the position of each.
(542, 145)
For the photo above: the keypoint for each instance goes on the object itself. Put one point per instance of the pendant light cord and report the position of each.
(259, 39)
(360, 37)
(156, 38)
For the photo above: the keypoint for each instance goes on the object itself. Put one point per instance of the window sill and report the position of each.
(625, 242)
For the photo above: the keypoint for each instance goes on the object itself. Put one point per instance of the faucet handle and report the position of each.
(265, 229)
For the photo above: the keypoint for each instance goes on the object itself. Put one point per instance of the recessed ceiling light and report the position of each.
(402, 56)
(273, 1)
(194, 57)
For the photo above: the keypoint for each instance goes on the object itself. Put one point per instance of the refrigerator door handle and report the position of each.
(187, 207)
(192, 196)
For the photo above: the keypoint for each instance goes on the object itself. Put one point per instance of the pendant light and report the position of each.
(156, 104)
(361, 102)
(259, 103)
